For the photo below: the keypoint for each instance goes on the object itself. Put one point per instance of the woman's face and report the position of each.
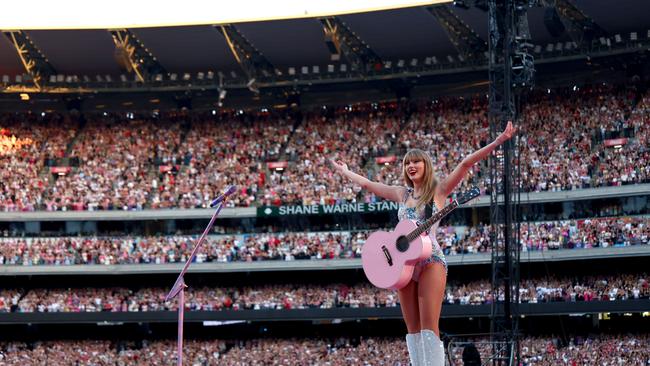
(415, 170)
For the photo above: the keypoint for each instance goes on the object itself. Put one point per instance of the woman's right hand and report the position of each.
(339, 165)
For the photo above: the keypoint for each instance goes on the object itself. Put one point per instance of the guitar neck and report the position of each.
(432, 220)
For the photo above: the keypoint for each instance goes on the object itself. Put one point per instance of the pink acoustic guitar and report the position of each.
(389, 258)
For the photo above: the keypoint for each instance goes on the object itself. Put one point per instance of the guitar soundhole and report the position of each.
(402, 244)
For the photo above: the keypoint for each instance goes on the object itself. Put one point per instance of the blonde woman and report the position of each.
(421, 300)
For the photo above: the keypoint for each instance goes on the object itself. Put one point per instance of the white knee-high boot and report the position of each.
(414, 346)
(433, 349)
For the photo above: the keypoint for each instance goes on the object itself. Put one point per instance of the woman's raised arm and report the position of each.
(392, 193)
(450, 182)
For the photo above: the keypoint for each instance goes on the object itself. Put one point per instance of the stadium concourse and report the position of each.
(108, 170)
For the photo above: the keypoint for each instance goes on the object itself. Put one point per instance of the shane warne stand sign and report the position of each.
(341, 208)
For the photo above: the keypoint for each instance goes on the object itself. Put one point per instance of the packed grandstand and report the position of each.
(592, 137)
(99, 162)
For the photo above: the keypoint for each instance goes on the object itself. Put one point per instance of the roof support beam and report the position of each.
(134, 57)
(466, 41)
(582, 29)
(33, 60)
(254, 64)
(361, 57)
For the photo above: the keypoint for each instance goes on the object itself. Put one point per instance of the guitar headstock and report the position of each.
(468, 196)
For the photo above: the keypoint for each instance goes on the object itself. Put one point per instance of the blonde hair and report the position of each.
(429, 181)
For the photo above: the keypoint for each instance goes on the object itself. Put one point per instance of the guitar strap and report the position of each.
(428, 210)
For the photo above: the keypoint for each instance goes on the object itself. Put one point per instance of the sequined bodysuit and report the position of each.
(410, 213)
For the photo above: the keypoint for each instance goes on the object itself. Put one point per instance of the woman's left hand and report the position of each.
(507, 134)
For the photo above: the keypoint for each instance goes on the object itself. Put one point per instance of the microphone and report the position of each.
(230, 190)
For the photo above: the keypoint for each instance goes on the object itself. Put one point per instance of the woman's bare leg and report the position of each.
(408, 298)
(431, 290)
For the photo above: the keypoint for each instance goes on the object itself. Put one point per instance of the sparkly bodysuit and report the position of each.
(410, 213)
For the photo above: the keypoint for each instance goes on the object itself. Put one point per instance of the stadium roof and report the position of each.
(393, 34)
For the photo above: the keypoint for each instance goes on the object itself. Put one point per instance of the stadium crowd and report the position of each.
(563, 133)
(589, 350)
(351, 135)
(534, 236)
(301, 296)
(536, 351)
(217, 155)
(185, 160)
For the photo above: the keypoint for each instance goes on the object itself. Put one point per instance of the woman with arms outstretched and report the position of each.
(421, 299)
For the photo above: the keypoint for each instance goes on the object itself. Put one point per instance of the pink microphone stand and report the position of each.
(179, 285)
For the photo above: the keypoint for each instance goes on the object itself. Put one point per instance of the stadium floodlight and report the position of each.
(388, 64)
(460, 4)
(210, 75)
(400, 63)
(315, 69)
(173, 77)
(427, 61)
(83, 14)
(304, 70)
(200, 75)
(5, 78)
(86, 79)
(292, 71)
(414, 62)
(617, 38)
(330, 68)
(434, 59)
(158, 77)
(123, 78)
(450, 59)
(186, 76)
(60, 78)
(538, 49)
(52, 79)
(19, 79)
(344, 68)
(108, 78)
(633, 36)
